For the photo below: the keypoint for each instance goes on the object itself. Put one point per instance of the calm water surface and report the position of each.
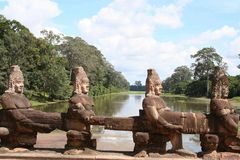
(124, 105)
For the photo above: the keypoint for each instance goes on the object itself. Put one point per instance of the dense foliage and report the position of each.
(197, 88)
(47, 62)
(178, 81)
(206, 59)
(137, 86)
(103, 77)
(234, 88)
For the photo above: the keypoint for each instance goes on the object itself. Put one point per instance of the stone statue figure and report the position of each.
(223, 120)
(80, 102)
(13, 98)
(154, 106)
(79, 111)
(219, 105)
(23, 121)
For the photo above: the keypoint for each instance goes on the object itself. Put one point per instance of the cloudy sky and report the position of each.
(135, 35)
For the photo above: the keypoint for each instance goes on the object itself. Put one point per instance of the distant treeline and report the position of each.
(47, 62)
(196, 82)
(137, 88)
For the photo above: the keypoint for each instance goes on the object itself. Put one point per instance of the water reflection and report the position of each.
(54, 107)
(131, 106)
(125, 105)
(183, 104)
(109, 105)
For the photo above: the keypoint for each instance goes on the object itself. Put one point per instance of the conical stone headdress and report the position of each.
(220, 83)
(78, 76)
(152, 80)
(15, 76)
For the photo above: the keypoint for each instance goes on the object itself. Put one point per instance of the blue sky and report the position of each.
(135, 35)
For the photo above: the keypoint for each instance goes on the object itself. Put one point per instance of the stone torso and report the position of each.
(217, 105)
(15, 101)
(85, 100)
(155, 101)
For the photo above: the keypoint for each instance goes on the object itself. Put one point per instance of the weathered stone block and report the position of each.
(74, 124)
(209, 142)
(19, 140)
(81, 136)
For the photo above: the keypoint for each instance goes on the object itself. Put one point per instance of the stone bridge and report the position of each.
(152, 129)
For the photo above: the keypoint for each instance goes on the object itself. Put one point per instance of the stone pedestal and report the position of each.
(19, 140)
(78, 135)
(209, 142)
(157, 143)
(79, 140)
(152, 143)
(141, 140)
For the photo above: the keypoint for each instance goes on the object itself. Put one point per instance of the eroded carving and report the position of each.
(79, 112)
(226, 119)
(19, 118)
(154, 106)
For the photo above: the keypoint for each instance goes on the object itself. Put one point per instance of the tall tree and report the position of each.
(138, 83)
(102, 75)
(42, 67)
(205, 61)
(182, 73)
(178, 81)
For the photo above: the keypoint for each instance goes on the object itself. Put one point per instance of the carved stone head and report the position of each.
(220, 84)
(153, 83)
(16, 81)
(80, 81)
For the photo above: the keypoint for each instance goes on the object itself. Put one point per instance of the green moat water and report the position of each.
(124, 105)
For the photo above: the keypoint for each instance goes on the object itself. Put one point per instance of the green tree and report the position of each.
(138, 83)
(46, 62)
(17, 46)
(181, 74)
(205, 61)
(42, 67)
(103, 77)
(178, 81)
(234, 88)
(196, 88)
(167, 84)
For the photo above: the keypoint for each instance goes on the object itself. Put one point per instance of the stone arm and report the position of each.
(23, 121)
(153, 116)
(223, 109)
(230, 124)
(83, 112)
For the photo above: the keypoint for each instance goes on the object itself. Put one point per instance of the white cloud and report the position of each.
(235, 45)
(35, 14)
(227, 41)
(170, 15)
(124, 30)
(208, 36)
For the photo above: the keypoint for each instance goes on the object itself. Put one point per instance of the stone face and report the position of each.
(13, 98)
